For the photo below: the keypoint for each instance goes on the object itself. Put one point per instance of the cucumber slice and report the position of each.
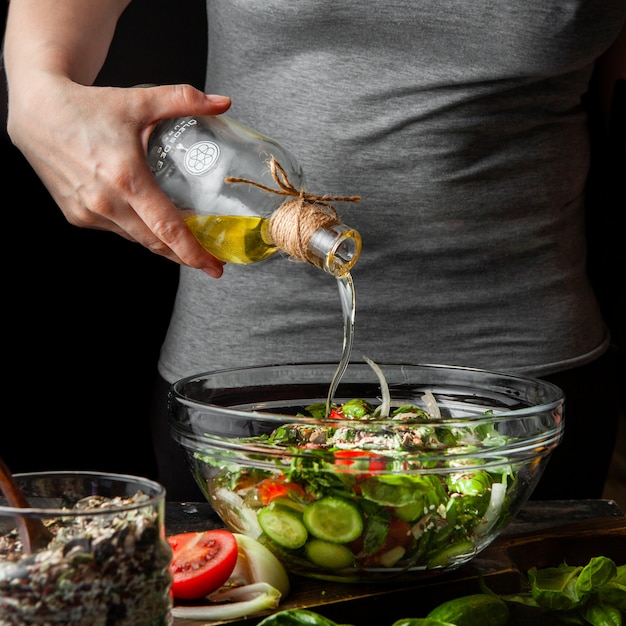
(328, 555)
(443, 557)
(410, 512)
(333, 519)
(283, 526)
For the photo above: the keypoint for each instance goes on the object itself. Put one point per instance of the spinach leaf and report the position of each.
(596, 573)
(555, 587)
(599, 614)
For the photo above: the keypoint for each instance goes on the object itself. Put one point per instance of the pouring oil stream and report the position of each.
(347, 298)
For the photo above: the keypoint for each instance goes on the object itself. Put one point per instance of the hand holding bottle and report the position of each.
(92, 159)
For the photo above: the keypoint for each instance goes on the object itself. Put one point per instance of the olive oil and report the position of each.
(240, 239)
(348, 307)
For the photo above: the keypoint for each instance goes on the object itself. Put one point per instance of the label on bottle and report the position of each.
(201, 157)
(197, 159)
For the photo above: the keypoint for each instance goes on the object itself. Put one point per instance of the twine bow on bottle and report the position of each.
(295, 221)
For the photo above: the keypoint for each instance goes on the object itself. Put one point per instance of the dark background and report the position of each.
(85, 311)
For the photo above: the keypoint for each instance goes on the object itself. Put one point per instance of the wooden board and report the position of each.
(544, 534)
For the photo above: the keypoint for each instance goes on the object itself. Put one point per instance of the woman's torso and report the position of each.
(461, 127)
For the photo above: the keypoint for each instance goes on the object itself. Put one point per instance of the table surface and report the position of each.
(543, 534)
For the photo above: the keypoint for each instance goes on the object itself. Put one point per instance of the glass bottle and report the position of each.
(243, 195)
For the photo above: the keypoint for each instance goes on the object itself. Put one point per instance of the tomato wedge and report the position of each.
(359, 459)
(202, 562)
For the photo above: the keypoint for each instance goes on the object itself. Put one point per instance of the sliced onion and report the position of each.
(384, 388)
(256, 563)
(236, 515)
(238, 602)
(496, 501)
(431, 405)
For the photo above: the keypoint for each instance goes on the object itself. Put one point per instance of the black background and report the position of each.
(85, 311)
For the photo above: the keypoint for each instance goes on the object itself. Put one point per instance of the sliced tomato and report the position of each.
(399, 534)
(202, 562)
(359, 459)
(272, 488)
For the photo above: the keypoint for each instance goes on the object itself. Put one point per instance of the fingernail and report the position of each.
(214, 272)
(217, 99)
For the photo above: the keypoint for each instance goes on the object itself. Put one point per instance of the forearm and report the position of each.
(68, 38)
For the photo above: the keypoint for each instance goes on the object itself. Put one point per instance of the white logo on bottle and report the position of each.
(201, 157)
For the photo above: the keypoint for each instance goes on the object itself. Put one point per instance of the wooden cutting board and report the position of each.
(544, 534)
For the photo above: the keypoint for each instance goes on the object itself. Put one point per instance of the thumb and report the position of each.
(166, 101)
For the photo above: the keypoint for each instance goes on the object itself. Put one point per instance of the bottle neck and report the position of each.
(334, 249)
(312, 233)
(307, 227)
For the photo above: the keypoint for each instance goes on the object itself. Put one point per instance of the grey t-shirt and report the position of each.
(461, 127)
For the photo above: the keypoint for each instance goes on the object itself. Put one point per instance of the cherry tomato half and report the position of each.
(202, 562)
(336, 414)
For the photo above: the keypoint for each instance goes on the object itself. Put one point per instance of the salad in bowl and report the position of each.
(411, 469)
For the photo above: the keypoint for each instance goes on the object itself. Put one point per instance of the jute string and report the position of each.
(295, 221)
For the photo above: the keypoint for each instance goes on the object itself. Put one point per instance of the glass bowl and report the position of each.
(106, 561)
(419, 491)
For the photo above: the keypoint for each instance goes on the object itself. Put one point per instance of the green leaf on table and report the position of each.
(613, 593)
(599, 614)
(596, 573)
(555, 587)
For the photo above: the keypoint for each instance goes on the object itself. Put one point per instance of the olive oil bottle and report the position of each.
(244, 196)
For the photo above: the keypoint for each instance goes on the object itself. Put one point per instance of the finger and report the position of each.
(150, 218)
(170, 101)
(164, 220)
